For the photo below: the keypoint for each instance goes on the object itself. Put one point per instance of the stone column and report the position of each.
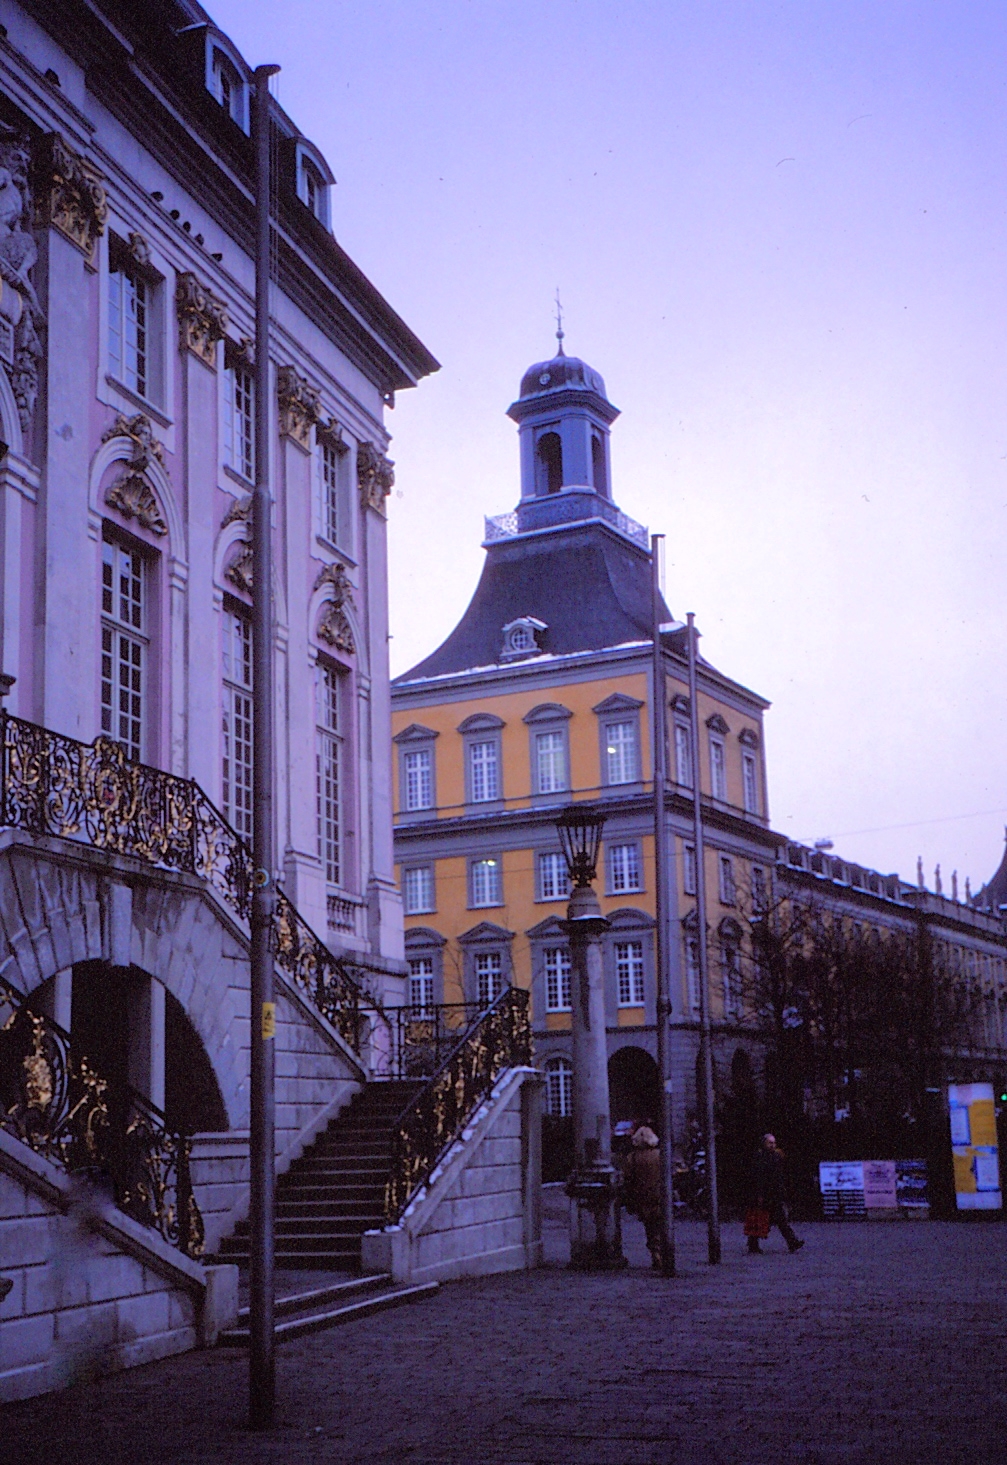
(593, 1244)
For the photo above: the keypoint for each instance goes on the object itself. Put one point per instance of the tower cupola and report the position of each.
(563, 417)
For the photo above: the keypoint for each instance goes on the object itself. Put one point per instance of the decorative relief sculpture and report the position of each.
(375, 476)
(240, 509)
(202, 318)
(300, 405)
(70, 196)
(331, 434)
(20, 312)
(239, 571)
(132, 494)
(333, 625)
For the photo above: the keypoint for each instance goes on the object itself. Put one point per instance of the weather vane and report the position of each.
(559, 321)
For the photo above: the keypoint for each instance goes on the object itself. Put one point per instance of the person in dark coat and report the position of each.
(768, 1193)
(642, 1189)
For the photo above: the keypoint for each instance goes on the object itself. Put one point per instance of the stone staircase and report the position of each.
(336, 1190)
(310, 1311)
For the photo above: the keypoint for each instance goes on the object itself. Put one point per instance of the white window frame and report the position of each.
(559, 1087)
(125, 647)
(239, 419)
(630, 973)
(489, 976)
(683, 755)
(421, 985)
(485, 882)
(335, 521)
(237, 721)
(417, 779)
(226, 84)
(692, 971)
(624, 867)
(622, 753)
(557, 972)
(718, 768)
(551, 776)
(730, 963)
(418, 897)
(750, 781)
(330, 772)
(135, 326)
(689, 869)
(760, 889)
(552, 879)
(483, 759)
(728, 888)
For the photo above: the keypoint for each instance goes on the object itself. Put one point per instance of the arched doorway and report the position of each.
(634, 1086)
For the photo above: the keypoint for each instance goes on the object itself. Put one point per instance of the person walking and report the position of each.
(642, 1189)
(768, 1195)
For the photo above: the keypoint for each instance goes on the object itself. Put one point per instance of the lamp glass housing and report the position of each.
(579, 828)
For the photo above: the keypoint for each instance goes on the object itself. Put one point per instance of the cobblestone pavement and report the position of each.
(878, 1342)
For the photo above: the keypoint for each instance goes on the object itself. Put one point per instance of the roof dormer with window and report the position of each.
(227, 79)
(313, 179)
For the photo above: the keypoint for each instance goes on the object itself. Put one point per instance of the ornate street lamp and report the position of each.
(594, 1242)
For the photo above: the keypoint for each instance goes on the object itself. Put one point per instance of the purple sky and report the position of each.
(779, 232)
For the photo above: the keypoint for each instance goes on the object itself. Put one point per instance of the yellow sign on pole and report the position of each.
(974, 1147)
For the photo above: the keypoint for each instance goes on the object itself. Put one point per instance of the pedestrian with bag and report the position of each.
(768, 1206)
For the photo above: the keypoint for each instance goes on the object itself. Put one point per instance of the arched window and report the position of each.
(559, 1087)
(549, 452)
(599, 467)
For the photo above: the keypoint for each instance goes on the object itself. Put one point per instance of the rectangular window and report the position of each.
(731, 959)
(550, 762)
(557, 979)
(239, 420)
(328, 754)
(484, 781)
(237, 729)
(718, 769)
(629, 972)
(486, 882)
(727, 894)
(489, 977)
(129, 306)
(624, 868)
(418, 776)
(692, 971)
(559, 1097)
(123, 648)
(689, 869)
(620, 752)
(750, 779)
(418, 889)
(332, 511)
(758, 888)
(683, 755)
(553, 880)
(421, 985)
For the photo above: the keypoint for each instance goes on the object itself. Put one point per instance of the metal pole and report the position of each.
(262, 1367)
(706, 1050)
(661, 907)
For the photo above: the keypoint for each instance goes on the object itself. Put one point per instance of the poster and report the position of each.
(974, 1147)
(912, 1185)
(842, 1185)
(879, 1185)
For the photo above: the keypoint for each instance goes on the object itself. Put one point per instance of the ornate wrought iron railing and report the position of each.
(424, 1035)
(93, 794)
(72, 1116)
(498, 1038)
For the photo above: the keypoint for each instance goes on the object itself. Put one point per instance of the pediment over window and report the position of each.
(618, 702)
(717, 724)
(748, 737)
(628, 917)
(730, 931)
(423, 936)
(485, 933)
(551, 928)
(548, 712)
(480, 722)
(681, 705)
(415, 733)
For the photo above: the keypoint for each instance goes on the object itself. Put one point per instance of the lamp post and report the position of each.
(594, 1245)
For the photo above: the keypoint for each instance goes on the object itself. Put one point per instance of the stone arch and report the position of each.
(323, 595)
(236, 529)
(634, 1085)
(122, 448)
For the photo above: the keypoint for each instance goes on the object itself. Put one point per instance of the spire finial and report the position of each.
(559, 323)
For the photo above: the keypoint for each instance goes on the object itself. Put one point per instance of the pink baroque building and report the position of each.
(127, 403)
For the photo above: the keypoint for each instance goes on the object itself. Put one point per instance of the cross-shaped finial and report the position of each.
(559, 321)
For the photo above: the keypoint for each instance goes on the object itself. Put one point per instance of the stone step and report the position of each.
(314, 1313)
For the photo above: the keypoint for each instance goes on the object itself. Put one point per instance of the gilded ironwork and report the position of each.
(73, 1117)
(499, 1038)
(70, 195)
(93, 793)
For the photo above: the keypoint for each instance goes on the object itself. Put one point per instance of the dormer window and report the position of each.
(521, 638)
(314, 179)
(226, 82)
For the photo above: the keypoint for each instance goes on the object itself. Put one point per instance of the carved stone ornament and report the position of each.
(300, 405)
(70, 196)
(375, 477)
(202, 318)
(133, 496)
(240, 509)
(239, 571)
(336, 576)
(334, 629)
(20, 312)
(331, 434)
(138, 249)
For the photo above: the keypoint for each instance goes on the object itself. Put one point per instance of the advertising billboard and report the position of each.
(974, 1147)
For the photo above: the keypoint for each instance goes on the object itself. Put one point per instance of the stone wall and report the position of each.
(481, 1210)
(93, 1291)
